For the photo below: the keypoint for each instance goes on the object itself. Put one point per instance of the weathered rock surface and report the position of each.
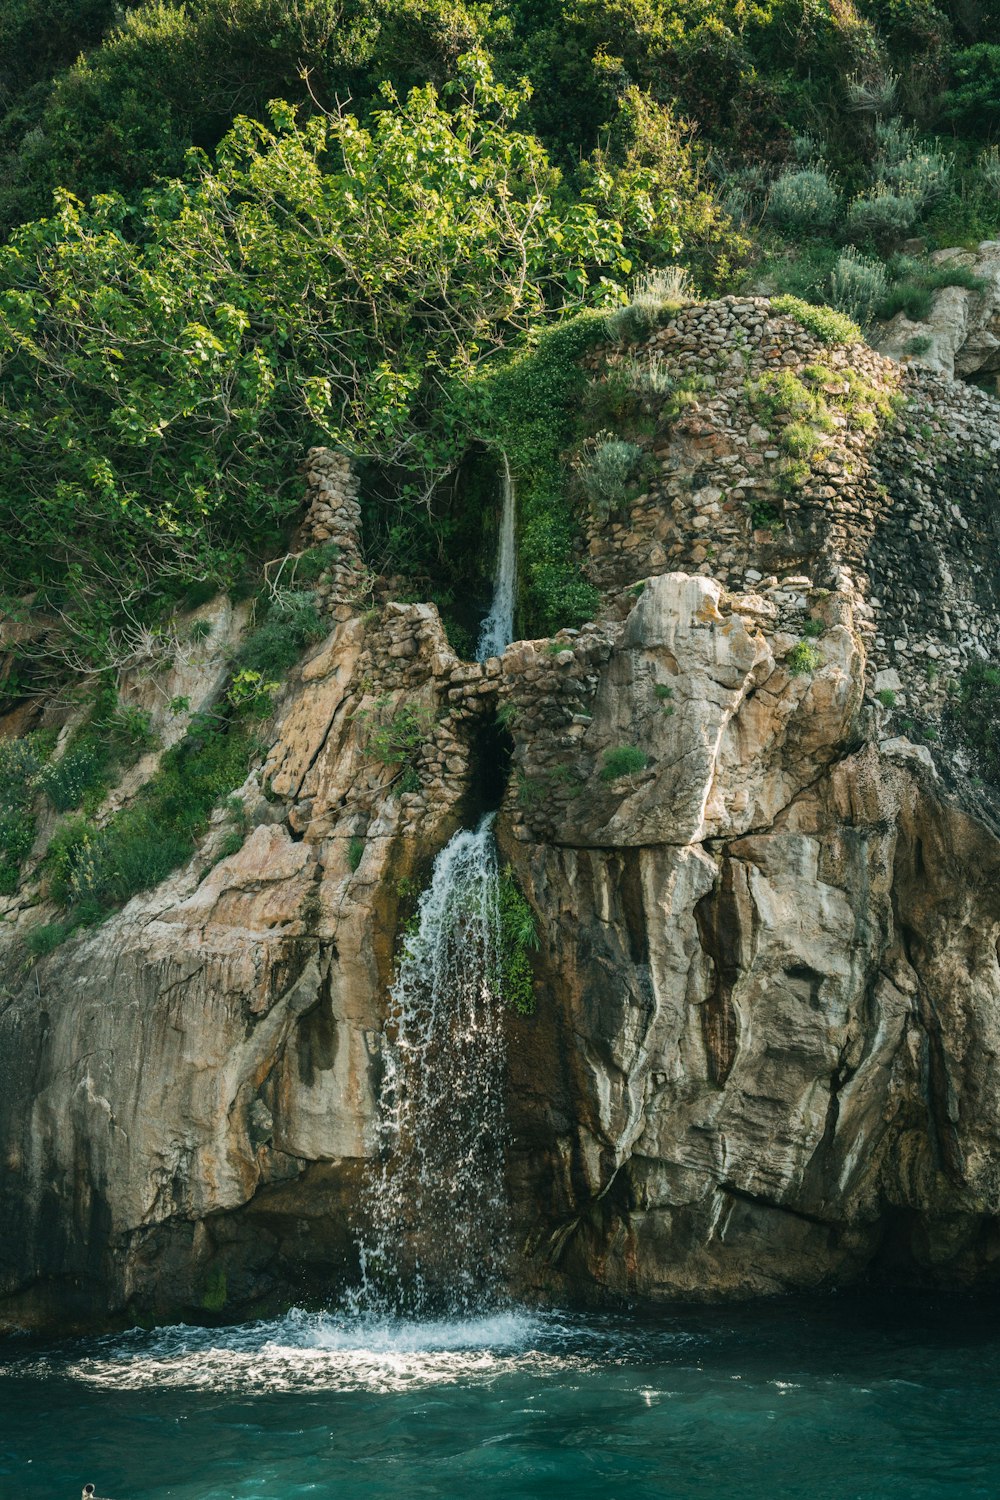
(766, 1048)
(961, 334)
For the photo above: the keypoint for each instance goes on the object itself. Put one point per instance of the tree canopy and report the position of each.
(163, 368)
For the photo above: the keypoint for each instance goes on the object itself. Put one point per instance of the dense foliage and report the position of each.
(162, 369)
(199, 282)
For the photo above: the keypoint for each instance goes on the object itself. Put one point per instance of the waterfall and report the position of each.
(435, 1201)
(498, 627)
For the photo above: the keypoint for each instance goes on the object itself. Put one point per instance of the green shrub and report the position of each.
(813, 628)
(913, 283)
(919, 345)
(908, 169)
(972, 104)
(656, 296)
(532, 408)
(764, 516)
(355, 852)
(780, 393)
(17, 834)
(163, 372)
(828, 325)
(311, 564)
(804, 201)
(397, 740)
(975, 716)
(251, 693)
(42, 940)
(802, 658)
(881, 215)
(650, 377)
(170, 76)
(82, 770)
(605, 469)
(94, 869)
(113, 738)
(886, 697)
(799, 439)
(291, 622)
(625, 760)
(231, 844)
(518, 936)
(874, 93)
(22, 764)
(857, 285)
(988, 165)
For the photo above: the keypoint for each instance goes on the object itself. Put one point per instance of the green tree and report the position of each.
(171, 76)
(162, 370)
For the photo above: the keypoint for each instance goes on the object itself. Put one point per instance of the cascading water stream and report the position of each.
(436, 1202)
(497, 629)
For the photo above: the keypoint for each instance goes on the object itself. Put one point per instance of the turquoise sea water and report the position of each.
(821, 1400)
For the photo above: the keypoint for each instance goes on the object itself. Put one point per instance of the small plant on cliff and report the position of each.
(829, 326)
(508, 714)
(112, 738)
(518, 936)
(764, 516)
(46, 939)
(886, 697)
(355, 852)
(397, 740)
(976, 716)
(92, 869)
(289, 622)
(605, 469)
(780, 393)
(802, 658)
(21, 764)
(656, 297)
(857, 285)
(250, 693)
(813, 628)
(625, 760)
(913, 280)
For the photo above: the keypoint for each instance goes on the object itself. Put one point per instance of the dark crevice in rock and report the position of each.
(942, 1128)
(492, 748)
(721, 917)
(633, 907)
(759, 1200)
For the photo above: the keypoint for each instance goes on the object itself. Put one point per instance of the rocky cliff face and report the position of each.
(764, 1051)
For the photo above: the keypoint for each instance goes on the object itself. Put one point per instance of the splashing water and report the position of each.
(498, 628)
(436, 1201)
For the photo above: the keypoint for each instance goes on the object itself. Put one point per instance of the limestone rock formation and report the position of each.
(960, 336)
(765, 1048)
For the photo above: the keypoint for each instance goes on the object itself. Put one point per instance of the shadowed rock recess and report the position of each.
(758, 842)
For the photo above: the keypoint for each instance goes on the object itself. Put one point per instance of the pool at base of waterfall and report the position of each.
(834, 1399)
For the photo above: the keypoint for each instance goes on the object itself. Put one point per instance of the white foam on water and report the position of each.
(323, 1352)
